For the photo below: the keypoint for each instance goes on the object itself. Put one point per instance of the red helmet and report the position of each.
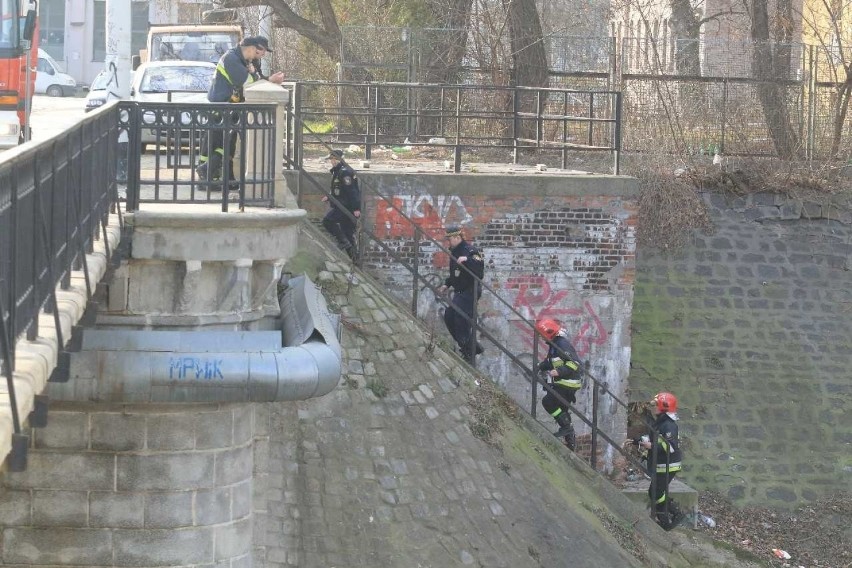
(666, 402)
(548, 328)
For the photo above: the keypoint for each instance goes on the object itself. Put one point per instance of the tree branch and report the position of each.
(327, 39)
(729, 12)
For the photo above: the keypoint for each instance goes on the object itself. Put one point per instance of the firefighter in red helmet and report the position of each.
(664, 460)
(562, 366)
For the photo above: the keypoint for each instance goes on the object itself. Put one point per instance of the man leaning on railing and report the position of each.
(230, 76)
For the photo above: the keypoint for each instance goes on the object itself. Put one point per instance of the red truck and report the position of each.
(18, 39)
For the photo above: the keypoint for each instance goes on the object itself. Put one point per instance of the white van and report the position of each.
(50, 79)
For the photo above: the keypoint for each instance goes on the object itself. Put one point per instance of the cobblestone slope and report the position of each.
(386, 471)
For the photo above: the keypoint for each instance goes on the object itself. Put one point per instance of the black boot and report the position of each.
(565, 428)
(676, 515)
(464, 349)
(211, 170)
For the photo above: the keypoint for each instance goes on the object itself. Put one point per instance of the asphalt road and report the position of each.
(52, 115)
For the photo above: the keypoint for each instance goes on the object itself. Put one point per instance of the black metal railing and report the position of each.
(452, 119)
(166, 142)
(55, 198)
(421, 281)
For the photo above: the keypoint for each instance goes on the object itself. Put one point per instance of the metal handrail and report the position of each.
(524, 119)
(53, 206)
(530, 374)
(171, 126)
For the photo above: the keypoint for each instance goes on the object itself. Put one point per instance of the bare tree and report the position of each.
(771, 62)
(528, 53)
(829, 24)
(444, 60)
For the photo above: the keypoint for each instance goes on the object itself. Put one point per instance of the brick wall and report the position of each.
(559, 247)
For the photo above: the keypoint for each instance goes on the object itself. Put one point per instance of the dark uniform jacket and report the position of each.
(667, 444)
(344, 187)
(562, 356)
(459, 279)
(231, 74)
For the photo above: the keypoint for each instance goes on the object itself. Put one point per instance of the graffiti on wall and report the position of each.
(536, 299)
(432, 213)
(183, 368)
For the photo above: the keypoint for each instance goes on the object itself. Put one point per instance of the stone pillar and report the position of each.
(266, 92)
(132, 485)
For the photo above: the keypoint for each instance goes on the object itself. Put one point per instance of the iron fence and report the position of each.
(452, 119)
(681, 95)
(177, 133)
(55, 197)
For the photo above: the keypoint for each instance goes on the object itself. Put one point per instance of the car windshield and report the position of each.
(177, 78)
(192, 46)
(100, 83)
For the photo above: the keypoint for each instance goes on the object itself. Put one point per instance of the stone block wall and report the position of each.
(133, 486)
(555, 246)
(750, 326)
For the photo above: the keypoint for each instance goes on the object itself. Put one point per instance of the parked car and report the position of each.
(50, 79)
(162, 81)
(98, 94)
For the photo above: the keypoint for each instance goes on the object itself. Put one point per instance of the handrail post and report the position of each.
(457, 151)
(474, 324)
(133, 149)
(515, 126)
(6, 343)
(368, 146)
(617, 145)
(539, 126)
(564, 130)
(591, 117)
(298, 155)
(415, 275)
(534, 377)
(377, 108)
(724, 114)
(593, 457)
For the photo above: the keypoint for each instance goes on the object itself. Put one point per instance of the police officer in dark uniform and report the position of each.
(461, 281)
(344, 188)
(562, 366)
(664, 461)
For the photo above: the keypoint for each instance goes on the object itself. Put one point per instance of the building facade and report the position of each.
(74, 31)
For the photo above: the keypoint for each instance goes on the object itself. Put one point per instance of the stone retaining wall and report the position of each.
(133, 486)
(750, 326)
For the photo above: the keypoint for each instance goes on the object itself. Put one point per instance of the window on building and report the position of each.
(138, 27)
(51, 26)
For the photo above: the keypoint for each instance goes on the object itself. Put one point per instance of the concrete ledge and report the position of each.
(495, 181)
(209, 216)
(35, 360)
(686, 496)
(201, 233)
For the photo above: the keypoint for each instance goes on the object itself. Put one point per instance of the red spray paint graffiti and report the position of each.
(430, 213)
(536, 300)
